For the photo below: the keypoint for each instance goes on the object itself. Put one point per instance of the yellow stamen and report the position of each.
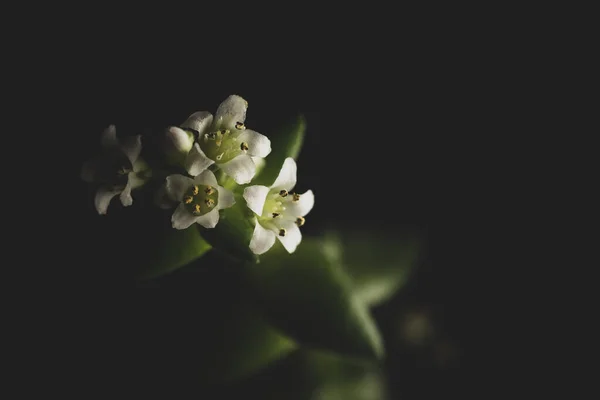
(244, 146)
(296, 197)
(197, 208)
(209, 190)
(283, 193)
(275, 215)
(195, 190)
(209, 202)
(282, 232)
(188, 199)
(240, 126)
(300, 221)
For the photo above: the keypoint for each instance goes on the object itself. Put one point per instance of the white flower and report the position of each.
(279, 213)
(200, 199)
(222, 140)
(118, 170)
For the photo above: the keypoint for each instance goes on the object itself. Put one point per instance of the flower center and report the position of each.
(113, 170)
(200, 199)
(276, 209)
(224, 144)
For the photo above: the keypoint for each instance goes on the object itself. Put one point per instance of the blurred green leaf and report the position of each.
(312, 374)
(164, 252)
(309, 297)
(233, 232)
(378, 264)
(207, 327)
(286, 142)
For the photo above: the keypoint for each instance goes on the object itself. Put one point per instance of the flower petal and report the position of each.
(103, 197)
(241, 169)
(231, 111)
(132, 146)
(125, 196)
(198, 121)
(255, 197)
(210, 219)
(176, 185)
(196, 161)
(292, 237)
(301, 207)
(207, 178)
(262, 239)
(182, 218)
(287, 176)
(258, 144)
(109, 137)
(226, 198)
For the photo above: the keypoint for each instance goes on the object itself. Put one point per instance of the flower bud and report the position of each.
(179, 140)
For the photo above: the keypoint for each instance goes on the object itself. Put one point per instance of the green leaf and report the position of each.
(207, 328)
(233, 232)
(378, 264)
(309, 297)
(286, 142)
(312, 374)
(165, 252)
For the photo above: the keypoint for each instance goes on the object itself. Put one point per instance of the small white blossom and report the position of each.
(118, 170)
(200, 199)
(279, 212)
(222, 140)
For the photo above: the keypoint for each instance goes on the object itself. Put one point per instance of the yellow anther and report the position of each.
(209, 190)
(209, 202)
(218, 142)
(211, 135)
(226, 132)
(282, 232)
(195, 190)
(300, 221)
(188, 199)
(275, 215)
(244, 146)
(197, 208)
(283, 193)
(296, 197)
(240, 126)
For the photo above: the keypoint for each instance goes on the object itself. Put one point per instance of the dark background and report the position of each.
(381, 128)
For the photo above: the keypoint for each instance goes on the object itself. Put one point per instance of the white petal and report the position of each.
(226, 198)
(258, 144)
(255, 197)
(231, 111)
(181, 140)
(132, 146)
(140, 165)
(241, 169)
(207, 178)
(196, 161)
(262, 239)
(287, 176)
(210, 219)
(103, 198)
(125, 196)
(109, 137)
(301, 207)
(182, 218)
(292, 237)
(176, 185)
(198, 121)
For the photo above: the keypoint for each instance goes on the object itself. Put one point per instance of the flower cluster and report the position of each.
(212, 150)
